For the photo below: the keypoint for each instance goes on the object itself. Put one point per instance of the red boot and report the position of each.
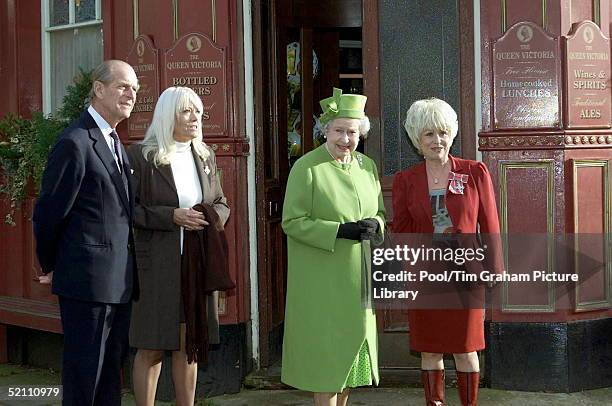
(433, 383)
(467, 382)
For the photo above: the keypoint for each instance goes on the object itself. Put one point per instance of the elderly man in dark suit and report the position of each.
(82, 223)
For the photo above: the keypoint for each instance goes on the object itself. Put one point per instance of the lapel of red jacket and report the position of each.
(421, 190)
(454, 202)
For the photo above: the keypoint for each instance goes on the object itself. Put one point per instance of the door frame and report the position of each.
(266, 122)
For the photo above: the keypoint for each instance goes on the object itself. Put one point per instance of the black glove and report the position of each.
(349, 231)
(369, 227)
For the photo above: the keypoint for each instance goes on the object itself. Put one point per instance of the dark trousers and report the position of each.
(95, 344)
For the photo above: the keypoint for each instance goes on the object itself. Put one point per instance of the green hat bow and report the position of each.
(342, 106)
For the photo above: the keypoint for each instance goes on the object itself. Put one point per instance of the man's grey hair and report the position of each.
(102, 73)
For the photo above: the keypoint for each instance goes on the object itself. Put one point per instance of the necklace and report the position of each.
(436, 179)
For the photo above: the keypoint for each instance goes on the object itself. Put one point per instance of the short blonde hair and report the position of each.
(430, 114)
(159, 144)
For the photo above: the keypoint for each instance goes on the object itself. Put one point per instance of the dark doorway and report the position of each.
(301, 50)
(395, 52)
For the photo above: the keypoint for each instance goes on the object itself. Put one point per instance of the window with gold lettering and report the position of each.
(72, 41)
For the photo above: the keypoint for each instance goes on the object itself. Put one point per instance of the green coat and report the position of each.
(325, 323)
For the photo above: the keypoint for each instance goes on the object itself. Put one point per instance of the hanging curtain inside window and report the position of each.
(71, 49)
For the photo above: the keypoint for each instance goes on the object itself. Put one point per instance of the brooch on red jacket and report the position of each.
(457, 182)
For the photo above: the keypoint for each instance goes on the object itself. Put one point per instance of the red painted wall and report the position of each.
(21, 76)
(528, 213)
(20, 56)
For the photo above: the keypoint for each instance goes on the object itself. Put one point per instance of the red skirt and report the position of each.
(446, 331)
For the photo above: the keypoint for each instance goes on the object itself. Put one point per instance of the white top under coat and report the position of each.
(186, 180)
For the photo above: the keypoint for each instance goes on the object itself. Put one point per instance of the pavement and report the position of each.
(14, 375)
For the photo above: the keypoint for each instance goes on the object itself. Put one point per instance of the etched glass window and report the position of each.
(59, 12)
(85, 10)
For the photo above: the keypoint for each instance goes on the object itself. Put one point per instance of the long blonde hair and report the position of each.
(158, 143)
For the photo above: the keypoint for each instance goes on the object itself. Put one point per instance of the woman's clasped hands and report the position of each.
(190, 219)
(360, 230)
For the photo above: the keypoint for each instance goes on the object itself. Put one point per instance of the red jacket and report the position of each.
(476, 206)
(463, 328)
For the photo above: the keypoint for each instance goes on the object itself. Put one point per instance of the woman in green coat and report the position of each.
(333, 210)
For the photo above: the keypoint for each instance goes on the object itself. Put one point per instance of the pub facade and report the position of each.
(529, 79)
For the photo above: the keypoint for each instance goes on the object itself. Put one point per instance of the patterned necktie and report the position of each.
(117, 149)
(116, 141)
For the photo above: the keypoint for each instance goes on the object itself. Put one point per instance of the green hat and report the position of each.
(342, 106)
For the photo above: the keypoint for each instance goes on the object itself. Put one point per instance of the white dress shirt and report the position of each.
(106, 131)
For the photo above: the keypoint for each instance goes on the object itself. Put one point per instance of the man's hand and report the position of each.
(191, 219)
(45, 279)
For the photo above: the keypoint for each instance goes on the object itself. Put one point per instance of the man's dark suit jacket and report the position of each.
(83, 218)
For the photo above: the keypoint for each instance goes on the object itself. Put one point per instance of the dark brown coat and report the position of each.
(156, 315)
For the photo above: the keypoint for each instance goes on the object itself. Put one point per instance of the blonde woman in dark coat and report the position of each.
(173, 170)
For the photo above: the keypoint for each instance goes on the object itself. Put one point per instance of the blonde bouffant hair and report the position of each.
(159, 144)
(430, 114)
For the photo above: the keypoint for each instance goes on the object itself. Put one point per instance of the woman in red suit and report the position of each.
(444, 194)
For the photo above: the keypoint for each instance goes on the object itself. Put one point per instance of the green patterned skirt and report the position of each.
(361, 370)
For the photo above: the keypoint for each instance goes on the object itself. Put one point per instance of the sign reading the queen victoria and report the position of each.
(526, 73)
(144, 59)
(196, 62)
(587, 62)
